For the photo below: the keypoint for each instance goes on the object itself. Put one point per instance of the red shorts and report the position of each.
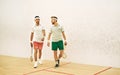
(37, 45)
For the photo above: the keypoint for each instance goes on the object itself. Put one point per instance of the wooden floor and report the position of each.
(23, 66)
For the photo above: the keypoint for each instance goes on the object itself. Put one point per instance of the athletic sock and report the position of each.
(40, 61)
(35, 64)
(57, 63)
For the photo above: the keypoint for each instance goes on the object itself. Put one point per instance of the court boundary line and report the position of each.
(44, 69)
(58, 72)
(102, 71)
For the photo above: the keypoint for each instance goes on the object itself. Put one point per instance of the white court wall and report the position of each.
(92, 28)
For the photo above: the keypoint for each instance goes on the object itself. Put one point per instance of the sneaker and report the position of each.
(58, 61)
(57, 65)
(35, 65)
(40, 61)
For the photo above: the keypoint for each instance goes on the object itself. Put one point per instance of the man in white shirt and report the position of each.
(37, 40)
(58, 35)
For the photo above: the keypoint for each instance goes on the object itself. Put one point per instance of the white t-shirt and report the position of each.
(56, 32)
(38, 35)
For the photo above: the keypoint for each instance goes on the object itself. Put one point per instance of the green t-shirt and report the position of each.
(56, 32)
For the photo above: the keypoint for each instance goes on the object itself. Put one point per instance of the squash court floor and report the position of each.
(22, 66)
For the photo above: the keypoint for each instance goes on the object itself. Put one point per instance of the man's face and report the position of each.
(37, 21)
(53, 20)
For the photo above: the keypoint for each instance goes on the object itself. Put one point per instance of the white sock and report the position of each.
(56, 62)
(40, 61)
(35, 62)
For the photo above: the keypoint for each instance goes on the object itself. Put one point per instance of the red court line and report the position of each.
(58, 72)
(43, 69)
(102, 71)
(36, 71)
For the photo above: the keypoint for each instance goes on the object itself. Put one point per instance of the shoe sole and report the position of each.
(35, 67)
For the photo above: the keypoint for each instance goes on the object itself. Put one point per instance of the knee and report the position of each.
(35, 51)
(61, 54)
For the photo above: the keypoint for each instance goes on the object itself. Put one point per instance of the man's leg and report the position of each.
(54, 48)
(61, 48)
(35, 57)
(56, 59)
(35, 54)
(55, 55)
(40, 54)
(61, 53)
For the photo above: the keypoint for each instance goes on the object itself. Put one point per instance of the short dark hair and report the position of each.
(54, 17)
(37, 17)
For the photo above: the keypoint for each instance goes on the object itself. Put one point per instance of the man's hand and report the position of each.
(42, 39)
(31, 38)
(65, 43)
(31, 44)
(48, 44)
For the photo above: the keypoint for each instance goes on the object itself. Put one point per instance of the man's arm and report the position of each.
(31, 39)
(44, 34)
(48, 44)
(64, 38)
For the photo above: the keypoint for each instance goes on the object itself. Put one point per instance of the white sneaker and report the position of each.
(35, 65)
(40, 61)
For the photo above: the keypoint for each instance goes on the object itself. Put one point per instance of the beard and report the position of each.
(53, 22)
(37, 22)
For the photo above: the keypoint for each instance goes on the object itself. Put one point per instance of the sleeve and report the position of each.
(62, 28)
(50, 29)
(32, 29)
(43, 28)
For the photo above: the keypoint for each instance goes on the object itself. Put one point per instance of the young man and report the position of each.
(37, 39)
(57, 32)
